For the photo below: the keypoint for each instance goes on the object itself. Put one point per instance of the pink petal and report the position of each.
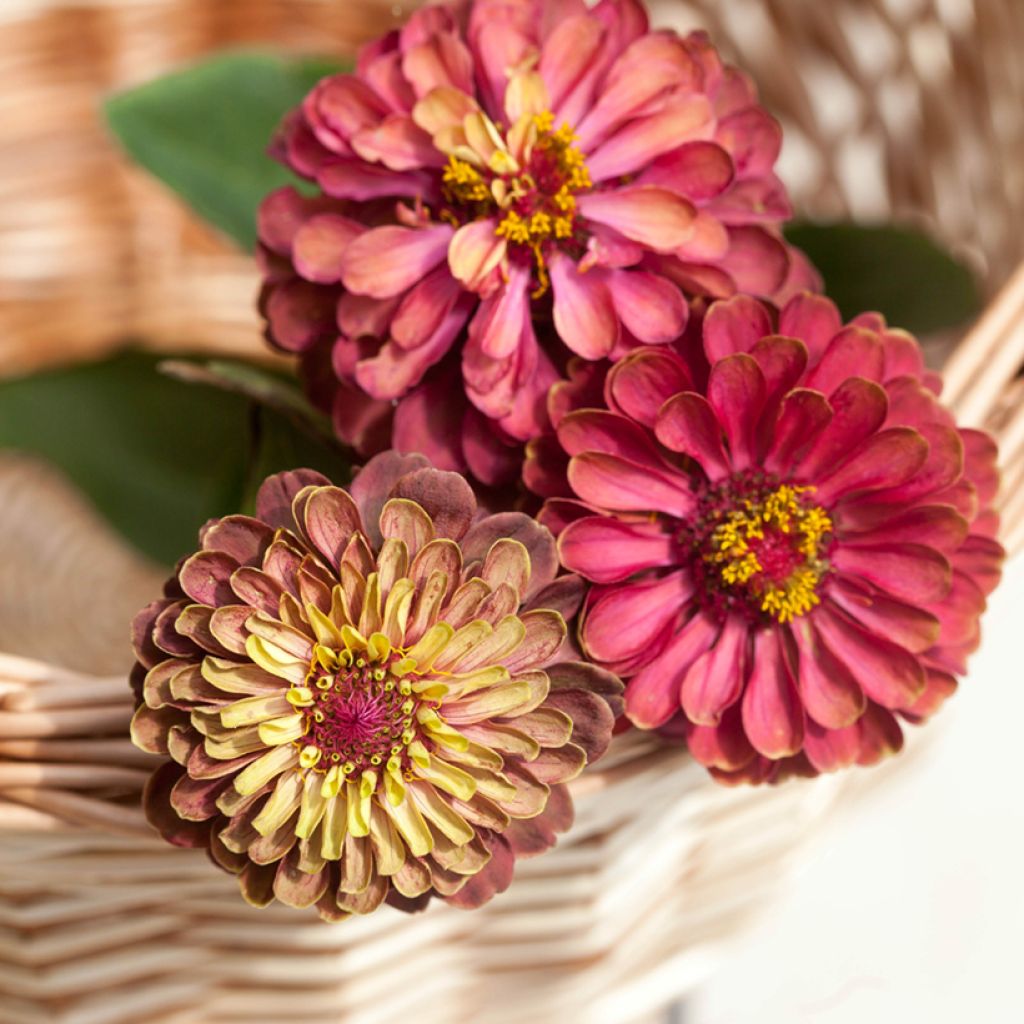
(360, 316)
(773, 718)
(941, 469)
(757, 261)
(803, 415)
(650, 307)
(610, 482)
(609, 550)
(428, 421)
(753, 138)
(625, 620)
(763, 201)
(276, 494)
(393, 371)
(584, 313)
(607, 248)
(596, 430)
(568, 55)
(498, 325)
(320, 244)
(886, 459)
(647, 138)
(300, 314)
(714, 681)
(654, 217)
(889, 674)
(361, 182)
(642, 382)
(708, 242)
(386, 261)
(734, 325)
(424, 309)
(831, 749)
(474, 252)
(341, 106)
(648, 68)
(782, 361)
(909, 572)
(399, 144)
(723, 746)
(359, 420)
(937, 526)
(698, 171)
(858, 410)
(853, 352)
(652, 695)
(831, 695)
(443, 60)
(499, 46)
(736, 393)
(959, 611)
(687, 424)
(903, 624)
(880, 735)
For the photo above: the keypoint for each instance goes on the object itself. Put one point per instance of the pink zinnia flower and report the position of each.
(367, 695)
(506, 183)
(794, 552)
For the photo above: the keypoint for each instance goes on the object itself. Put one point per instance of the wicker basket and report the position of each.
(99, 922)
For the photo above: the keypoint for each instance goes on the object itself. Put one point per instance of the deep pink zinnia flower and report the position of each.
(506, 183)
(794, 553)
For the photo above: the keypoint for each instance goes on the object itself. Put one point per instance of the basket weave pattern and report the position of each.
(100, 922)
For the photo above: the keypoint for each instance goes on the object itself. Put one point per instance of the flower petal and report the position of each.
(386, 261)
(606, 550)
(654, 217)
(584, 312)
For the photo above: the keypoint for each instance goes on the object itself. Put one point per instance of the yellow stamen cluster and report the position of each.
(541, 217)
(463, 183)
(734, 550)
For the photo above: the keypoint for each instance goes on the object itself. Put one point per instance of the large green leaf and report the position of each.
(204, 131)
(895, 271)
(157, 456)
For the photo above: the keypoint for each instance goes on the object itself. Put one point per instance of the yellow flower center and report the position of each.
(770, 550)
(535, 195)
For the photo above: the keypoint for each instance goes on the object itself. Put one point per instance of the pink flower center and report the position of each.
(361, 716)
(761, 547)
(534, 197)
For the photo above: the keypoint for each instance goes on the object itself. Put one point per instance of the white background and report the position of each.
(909, 907)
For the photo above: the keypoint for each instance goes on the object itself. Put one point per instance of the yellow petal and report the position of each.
(526, 94)
(448, 821)
(275, 660)
(335, 822)
(413, 828)
(353, 639)
(430, 645)
(387, 842)
(331, 785)
(313, 806)
(282, 804)
(445, 776)
(255, 776)
(327, 632)
(251, 710)
(358, 811)
(396, 610)
(282, 730)
(378, 647)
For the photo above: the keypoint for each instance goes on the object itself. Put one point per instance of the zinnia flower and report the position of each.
(367, 694)
(506, 183)
(793, 553)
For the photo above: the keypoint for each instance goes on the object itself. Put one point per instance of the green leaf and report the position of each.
(204, 131)
(895, 271)
(157, 456)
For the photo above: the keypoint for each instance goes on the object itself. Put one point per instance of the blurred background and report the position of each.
(907, 905)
